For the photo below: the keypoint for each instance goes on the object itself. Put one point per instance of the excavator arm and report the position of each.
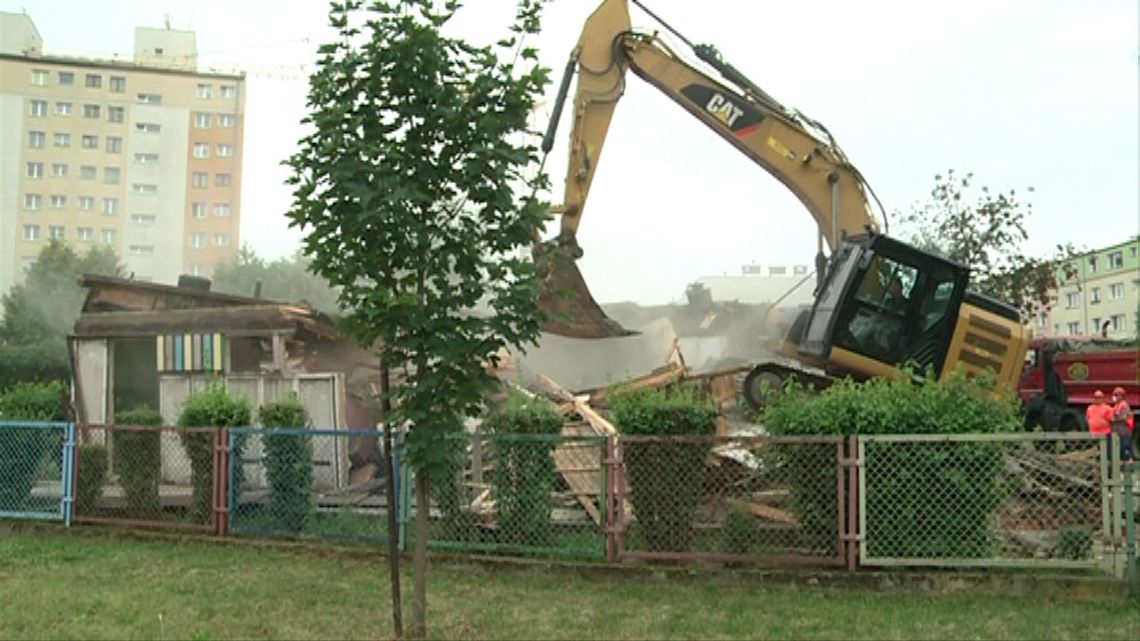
(797, 151)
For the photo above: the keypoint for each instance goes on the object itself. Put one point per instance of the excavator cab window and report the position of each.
(887, 301)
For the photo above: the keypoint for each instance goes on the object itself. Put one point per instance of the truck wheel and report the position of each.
(1072, 421)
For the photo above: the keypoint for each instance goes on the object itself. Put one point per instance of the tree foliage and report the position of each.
(414, 192)
(986, 231)
(286, 279)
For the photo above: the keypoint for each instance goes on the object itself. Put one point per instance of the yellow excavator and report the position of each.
(879, 302)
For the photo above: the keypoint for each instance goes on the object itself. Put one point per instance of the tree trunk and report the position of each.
(419, 560)
(390, 492)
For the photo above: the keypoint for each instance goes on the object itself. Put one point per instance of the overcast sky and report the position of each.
(1039, 93)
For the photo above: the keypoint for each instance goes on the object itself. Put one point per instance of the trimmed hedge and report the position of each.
(24, 451)
(925, 500)
(665, 478)
(523, 478)
(39, 362)
(212, 407)
(92, 476)
(288, 464)
(138, 460)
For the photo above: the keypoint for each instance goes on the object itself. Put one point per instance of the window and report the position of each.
(205, 92)
(118, 84)
(33, 201)
(222, 209)
(196, 270)
(1135, 283)
(66, 78)
(38, 108)
(1094, 295)
(1072, 300)
(1074, 328)
(63, 109)
(84, 233)
(1118, 321)
(221, 240)
(1116, 291)
(1116, 260)
(90, 142)
(198, 210)
(197, 240)
(35, 170)
(36, 139)
(202, 121)
(200, 180)
(1096, 324)
(144, 189)
(93, 80)
(108, 236)
(150, 99)
(61, 140)
(1056, 329)
(110, 206)
(31, 232)
(58, 170)
(146, 159)
(141, 250)
(229, 91)
(56, 232)
(58, 201)
(1043, 320)
(39, 77)
(114, 144)
(91, 111)
(1092, 264)
(111, 175)
(115, 114)
(143, 219)
(201, 150)
(86, 203)
(226, 120)
(87, 172)
(222, 180)
(148, 127)
(225, 151)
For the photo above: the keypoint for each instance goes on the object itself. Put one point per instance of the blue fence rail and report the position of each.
(36, 470)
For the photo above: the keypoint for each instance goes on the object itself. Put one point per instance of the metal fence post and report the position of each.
(861, 495)
(228, 473)
(854, 465)
(1130, 528)
(67, 496)
(609, 521)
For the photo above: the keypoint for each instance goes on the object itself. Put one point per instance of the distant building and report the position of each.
(790, 285)
(1098, 293)
(142, 155)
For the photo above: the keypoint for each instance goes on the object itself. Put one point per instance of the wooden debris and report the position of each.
(659, 377)
(766, 512)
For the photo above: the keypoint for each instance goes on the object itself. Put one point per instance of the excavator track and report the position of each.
(766, 381)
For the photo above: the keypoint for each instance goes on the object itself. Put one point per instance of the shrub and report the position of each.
(665, 478)
(459, 524)
(926, 500)
(523, 478)
(40, 362)
(212, 407)
(740, 531)
(138, 460)
(92, 475)
(1075, 544)
(289, 464)
(22, 450)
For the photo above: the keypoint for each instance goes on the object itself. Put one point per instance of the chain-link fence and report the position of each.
(155, 477)
(755, 499)
(302, 483)
(986, 500)
(35, 469)
(527, 494)
(1131, 479)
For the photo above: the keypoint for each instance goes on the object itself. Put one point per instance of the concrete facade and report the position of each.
(143, 156)
(1098, 294)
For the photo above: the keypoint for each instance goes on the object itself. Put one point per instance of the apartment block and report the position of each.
(1098, 294)
(143, 155)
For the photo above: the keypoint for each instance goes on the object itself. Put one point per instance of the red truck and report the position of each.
(1061, 374)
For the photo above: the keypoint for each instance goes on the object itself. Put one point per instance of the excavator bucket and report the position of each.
(570, 310)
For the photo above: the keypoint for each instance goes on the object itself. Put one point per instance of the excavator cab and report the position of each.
(884, 303)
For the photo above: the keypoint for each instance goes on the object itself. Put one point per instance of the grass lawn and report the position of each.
(60, 584)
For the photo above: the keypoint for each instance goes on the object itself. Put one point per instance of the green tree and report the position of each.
(416, 192)
(286, 279)
(39, 314)
(986, 231)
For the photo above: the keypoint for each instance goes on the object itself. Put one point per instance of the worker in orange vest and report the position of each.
(1123, 423)
(1099, 415)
